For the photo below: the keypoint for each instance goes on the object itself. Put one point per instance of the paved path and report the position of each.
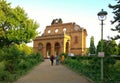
(45, 73)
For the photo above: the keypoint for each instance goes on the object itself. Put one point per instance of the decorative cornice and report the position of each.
(49, 37)
(76, 48)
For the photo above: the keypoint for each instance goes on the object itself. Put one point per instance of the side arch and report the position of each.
(67, 47)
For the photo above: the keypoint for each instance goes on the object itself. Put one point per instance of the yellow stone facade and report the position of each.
(61, 38)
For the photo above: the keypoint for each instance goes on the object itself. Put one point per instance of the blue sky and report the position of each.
(82, 12)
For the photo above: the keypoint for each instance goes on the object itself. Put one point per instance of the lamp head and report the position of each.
(102, 15)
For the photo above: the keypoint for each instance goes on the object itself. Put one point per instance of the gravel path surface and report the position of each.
(45, 73)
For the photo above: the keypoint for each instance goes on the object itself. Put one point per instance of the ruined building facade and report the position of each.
(61, 37)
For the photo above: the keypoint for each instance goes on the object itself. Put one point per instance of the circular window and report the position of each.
(56, 30)
(49, 31)
(64, 30)
(40, 46)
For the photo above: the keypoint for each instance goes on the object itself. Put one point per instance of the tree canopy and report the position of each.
(92, 46)
(116, 12)
(109, 47)
(119, 48)
(15, 25)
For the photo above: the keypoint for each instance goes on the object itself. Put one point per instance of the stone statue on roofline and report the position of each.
(57, 21)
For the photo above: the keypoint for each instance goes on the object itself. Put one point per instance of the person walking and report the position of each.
(62, 58)
(52, 59)
(57, 59)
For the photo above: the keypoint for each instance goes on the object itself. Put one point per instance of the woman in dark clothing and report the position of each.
(52, 59)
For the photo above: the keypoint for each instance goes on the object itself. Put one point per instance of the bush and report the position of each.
(1, 55)
(117, 65)
(2, 66)
(14, 63)
(90, 67)
(4, 76)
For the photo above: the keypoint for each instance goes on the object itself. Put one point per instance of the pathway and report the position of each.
(45, 73)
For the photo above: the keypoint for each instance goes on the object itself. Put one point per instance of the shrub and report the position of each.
(11, 58)
(2, 66)
(4, 75)
(117, 65)
(14, 62)
(90, 66)
(1, 55)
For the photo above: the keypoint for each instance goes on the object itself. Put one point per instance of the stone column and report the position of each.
(44, 52)
(52, 49)
(69, 46)
(62, 48)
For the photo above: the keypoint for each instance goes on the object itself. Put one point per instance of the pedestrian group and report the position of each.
(58, 60)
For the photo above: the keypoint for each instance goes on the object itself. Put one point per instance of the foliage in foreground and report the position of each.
(15, 63)
(90, 67)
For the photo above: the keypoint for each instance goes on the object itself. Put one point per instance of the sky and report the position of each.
(82, 12)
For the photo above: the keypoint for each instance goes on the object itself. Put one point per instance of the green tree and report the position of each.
(24, 48)
(15, 25)
(116, 12)
(92, 46)
(119, 49)
(114, 47)
(109, 47)
(99, 47)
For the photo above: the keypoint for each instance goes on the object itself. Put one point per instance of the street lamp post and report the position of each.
(102, 16)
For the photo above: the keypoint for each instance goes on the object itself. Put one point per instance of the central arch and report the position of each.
(48, 50)
(57, 48)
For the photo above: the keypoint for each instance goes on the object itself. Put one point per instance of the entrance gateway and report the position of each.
(61, 37)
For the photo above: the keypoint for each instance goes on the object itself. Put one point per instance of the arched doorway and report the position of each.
(40, 47)
(48, 50)
(67, 47)
(57, 48)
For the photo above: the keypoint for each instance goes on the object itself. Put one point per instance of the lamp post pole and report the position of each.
(102, 16)
(101, 49)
